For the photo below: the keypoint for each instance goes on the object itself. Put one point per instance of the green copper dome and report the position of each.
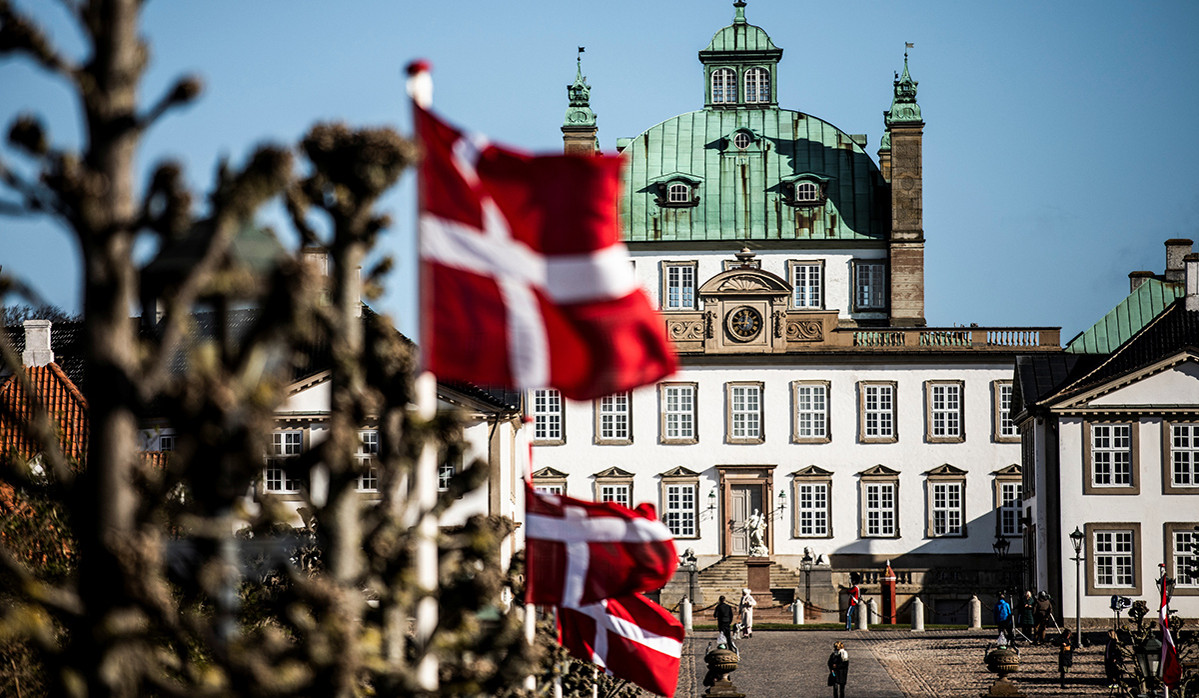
(741, 36)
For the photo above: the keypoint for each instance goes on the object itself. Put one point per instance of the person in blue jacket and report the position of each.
(1003, 619)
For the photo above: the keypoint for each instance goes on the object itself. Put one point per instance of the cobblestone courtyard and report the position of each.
(894, 664)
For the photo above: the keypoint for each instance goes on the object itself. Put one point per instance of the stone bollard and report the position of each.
(872, 615)
(861, 616)
(797, 611)
(976, 613)
(686, 614)
(917, 614)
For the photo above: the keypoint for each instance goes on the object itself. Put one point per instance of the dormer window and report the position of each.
(676, 190)
(678, 193)
(741, 139)
(757, 86)
(804, 190)
(724, 86)
(806, 193)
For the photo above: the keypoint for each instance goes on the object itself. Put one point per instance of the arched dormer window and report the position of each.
(757, 86)
(806, 193)
(805, 189)
(676, 190)
(724, 86)
(678, 193)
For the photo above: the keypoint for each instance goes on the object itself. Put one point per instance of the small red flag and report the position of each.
(1171, 669)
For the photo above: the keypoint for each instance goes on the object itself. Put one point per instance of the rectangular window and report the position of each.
(445, 473)
(878, 411)
(811, 412)
(166, 442)
(806, 279)
(284, 446)
(944, 413)
(1006, 427)
(616, 493)
(869, 286)
(678, 413)
(1010, 506)
(678, 286)
(1186, 557)
(1111, 455)
(547, 415)
(812, 509)
(550, 489)
(745, 412)
(1113, 559)
(613, 418)
(880, 509)
(947, 508)
(367, 451)
(680, 513)
(1184, 455)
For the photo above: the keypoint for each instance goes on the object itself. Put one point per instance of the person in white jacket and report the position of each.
(747, 612)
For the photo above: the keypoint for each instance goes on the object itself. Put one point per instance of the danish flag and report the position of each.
(525, 283)
(630, 637)
(1171, 670)
(581, 552)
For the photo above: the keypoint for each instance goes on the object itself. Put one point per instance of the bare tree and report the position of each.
(128, 621)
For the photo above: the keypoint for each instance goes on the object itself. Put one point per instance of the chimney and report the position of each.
(37, 344)
(1176, 249)
(1191, 262)
(317, 259)
(1136, 278)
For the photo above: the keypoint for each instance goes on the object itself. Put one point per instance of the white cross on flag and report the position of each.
(631, 637)
(525, 282)
(580, 552)
(1171, 670)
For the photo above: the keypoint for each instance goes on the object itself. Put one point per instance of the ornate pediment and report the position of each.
(549, 474)
(743, 281)
(613, 472)
(946, 470)
(879, 471)
(680, 471)
(812, 471)
(1011, 470)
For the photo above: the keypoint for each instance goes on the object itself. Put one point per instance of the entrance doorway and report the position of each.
(744, 499)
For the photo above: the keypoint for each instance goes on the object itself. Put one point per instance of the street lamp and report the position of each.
(1076, 542)
(1149, 657)
(806, 565)
(1001, 546)
(782, 507)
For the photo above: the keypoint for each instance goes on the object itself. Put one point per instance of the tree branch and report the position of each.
(185, 91)
(19, 34)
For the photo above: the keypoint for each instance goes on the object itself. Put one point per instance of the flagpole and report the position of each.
(424, 490)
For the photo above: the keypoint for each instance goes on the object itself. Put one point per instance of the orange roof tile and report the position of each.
(52, 389)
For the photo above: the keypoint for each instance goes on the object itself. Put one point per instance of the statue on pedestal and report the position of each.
(756, 523)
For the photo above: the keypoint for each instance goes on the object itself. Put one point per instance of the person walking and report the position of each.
(1112, 659)
(724, 622)
(747, 613)
(838, 669)
(1041, 614)
(1065, 654)
(1003, 619)
(855, 598)
(1024, 616)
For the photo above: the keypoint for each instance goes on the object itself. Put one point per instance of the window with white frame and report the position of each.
(1111, 455)
(757, 86)
(1114, 558)
(1184, 455)
(1010, 506)
(1005, 428)
(365, 455)
(876, 412)
(869, 282)
(947, 508)
(680, 512)
(166, 442)
(547, 416)
(613, 419)
(550, 489)
(678, 412)
(619, 493)
(744, 412)
(1184, 543)
(943, 412)
(285, 445)
(806, 193)
(879, 509)
(445, 472)
(678, 286)
(807, 279)
(811, 411)
(742, 140)
(811, 509)
(678, 193)
(724, 86)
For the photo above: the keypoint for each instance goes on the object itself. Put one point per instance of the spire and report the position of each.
(739, 17)
(903, 105)
(579, 95)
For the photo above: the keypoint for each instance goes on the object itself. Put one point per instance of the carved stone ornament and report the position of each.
(779, 321)
(709, 324)
(743, 282)
(686, 330)
(805, 331)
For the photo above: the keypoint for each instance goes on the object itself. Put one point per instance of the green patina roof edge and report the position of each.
(1119, 325)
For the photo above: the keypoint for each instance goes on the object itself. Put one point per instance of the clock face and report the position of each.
(744, 323)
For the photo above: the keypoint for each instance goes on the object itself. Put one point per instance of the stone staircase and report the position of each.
(729, 576)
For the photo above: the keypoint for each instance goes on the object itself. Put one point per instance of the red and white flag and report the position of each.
(525, 282)
(580, 552)
(1171, 669)
(630, 637)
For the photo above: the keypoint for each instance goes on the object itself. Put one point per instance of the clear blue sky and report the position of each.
(1060, 145)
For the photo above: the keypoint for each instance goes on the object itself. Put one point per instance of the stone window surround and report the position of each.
(687, 480)
(1168, 486)
(997, 414)
(548, 477)
(856, 264)
(728, 412)
(946, 475)
(364, 456)
(552, 441)
(828, 417)
(1088, 486)
(1089, 530)
(662, 437)
(894, 436)
(1011, 475)
(815, 477)
(664, 286)
(597, 409)
(792, 264)
(1168, 530)
(287, 494)
(928, 412)
(863, 481)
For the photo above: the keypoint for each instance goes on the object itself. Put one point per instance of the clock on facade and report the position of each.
(744, 323)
